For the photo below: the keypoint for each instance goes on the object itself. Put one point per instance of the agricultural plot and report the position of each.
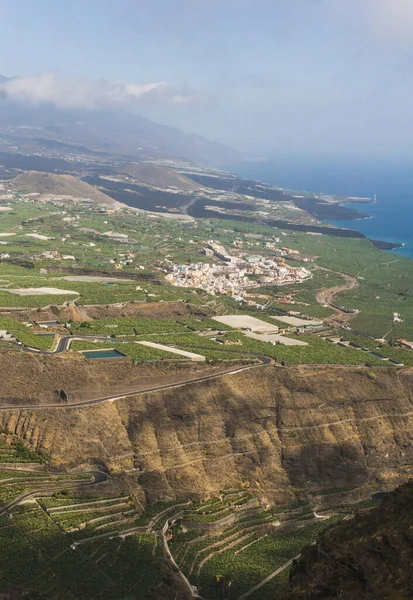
(230, 559)
(225, 545)
(17, 452)
(212, 350)
(304, 295)
(204, 324)
(25, 335)
(396, 353)
(135, 351)
(318, 351)
(35, 554)
(190, 342)
(86, 293)
(14, 484)
(128, 327)
(91, 515)
(248, 563)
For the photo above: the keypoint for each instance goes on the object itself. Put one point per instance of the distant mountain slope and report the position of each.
(119, 134)
(158, 176)
(49, 183)
(368, 558)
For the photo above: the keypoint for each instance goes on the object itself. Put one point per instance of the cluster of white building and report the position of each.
(234, 276)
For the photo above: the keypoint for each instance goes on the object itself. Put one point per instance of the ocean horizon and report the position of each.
(391, 217)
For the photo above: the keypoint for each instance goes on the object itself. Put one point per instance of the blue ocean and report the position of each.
(391, 180)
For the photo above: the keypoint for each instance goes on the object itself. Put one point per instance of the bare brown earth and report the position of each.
(29, 378)
(66, 185)
(285, 433)
(166, 310)
(158, 176)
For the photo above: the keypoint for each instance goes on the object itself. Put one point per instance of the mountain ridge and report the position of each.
(106, 130)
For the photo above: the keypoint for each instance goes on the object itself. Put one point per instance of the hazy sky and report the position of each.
(263, 75)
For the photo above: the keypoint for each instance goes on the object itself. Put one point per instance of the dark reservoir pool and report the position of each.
(103, 354)
(45, 334)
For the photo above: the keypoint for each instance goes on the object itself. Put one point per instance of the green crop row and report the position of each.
(36, 555)
(17, 452)
(237, 573)
(24, 333)
(397, 353)
(128, 326)
(134, 351)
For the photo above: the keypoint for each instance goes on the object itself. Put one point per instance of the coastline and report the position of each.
(390, 215)
(387, 245)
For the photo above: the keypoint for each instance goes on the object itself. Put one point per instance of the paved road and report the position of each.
(63, 343)
(264, 360)
(98, 477)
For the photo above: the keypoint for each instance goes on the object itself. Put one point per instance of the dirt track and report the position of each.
(327, 297)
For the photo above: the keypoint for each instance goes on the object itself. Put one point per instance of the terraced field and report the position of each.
(67, 540)
(229, 545)
(36, 553)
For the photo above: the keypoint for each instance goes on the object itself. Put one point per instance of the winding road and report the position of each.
(97, 477)
(327, 297)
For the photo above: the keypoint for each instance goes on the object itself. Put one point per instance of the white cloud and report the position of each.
(392, 16)
(73, 92)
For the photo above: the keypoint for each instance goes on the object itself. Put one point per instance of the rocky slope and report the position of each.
(315, 433)
(368, 558)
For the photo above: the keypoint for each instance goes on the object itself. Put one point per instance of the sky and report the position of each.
(264, 76)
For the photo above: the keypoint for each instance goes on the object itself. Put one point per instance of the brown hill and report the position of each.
(368, 558)
(158, 176)
(60, 185)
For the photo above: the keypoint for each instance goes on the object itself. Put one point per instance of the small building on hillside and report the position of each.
(406, 344)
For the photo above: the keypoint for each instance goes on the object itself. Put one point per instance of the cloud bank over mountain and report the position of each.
(76, 92)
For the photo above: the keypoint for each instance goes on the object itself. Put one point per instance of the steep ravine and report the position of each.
(282, 432)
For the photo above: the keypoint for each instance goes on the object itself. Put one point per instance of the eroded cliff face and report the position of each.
(283, 432)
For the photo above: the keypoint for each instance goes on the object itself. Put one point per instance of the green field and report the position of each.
(25, 335)
(35, 554)
(385, 280)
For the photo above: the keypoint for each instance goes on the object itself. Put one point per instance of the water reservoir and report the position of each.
(103, 354)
